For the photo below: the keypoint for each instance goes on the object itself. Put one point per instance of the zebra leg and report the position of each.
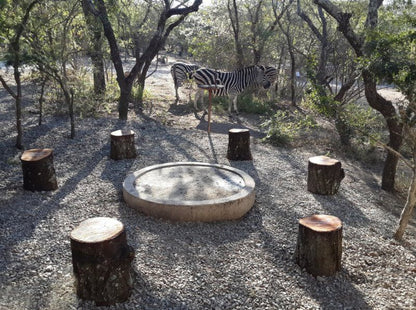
(177, 95)
(235, 104)
(232, 102)
(199, 94)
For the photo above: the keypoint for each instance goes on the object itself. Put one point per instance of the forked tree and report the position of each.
(15, 58)
(374, 99)
(169, 18)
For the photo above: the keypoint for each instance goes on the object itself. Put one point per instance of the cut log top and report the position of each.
(323, 160)
(97, 229)
(238, 130)
(35, 154)
(123, 132)
(321, 222)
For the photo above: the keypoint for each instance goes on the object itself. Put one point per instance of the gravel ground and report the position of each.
(243, 264)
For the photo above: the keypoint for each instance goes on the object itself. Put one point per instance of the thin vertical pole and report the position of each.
(209, 109)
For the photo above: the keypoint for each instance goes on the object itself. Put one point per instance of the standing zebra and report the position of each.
(235, 82)
(181, 72)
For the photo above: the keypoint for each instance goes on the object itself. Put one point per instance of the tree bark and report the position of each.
(96, 50)
(322, 36)
(38, 170)
(71, 113)
(239, 144)
(394, 126)
(319, 245)
(42, 92)
(324, 175)
(18, 103)
(101, 261)
(122, 145)
(407, 211)
(235, 25)
(375, 100)
(289, 40)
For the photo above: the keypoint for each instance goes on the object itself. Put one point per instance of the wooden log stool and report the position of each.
(239, 144)
(122, 144)
(324, 175)
(101, 261)
(319, 245)
(38, 170)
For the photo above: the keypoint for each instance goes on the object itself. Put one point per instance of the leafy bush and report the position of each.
(283, 127)
(251, 104)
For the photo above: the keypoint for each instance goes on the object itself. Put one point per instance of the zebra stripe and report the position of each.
(235, 82)
(181, 72)
(270, 73)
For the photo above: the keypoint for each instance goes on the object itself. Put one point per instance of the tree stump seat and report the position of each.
(319, 245)
(101, 261)
(239, 144)
(122, 145)
(324, 175)
(38, 170)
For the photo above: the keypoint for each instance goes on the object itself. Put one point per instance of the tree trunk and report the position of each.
(123, 102)
(235, 24)
(101, 261)
(290, 47)
(394, 125)
(375, 100)
(322, 36)
(71, 113)
(98, 72)
(38, 170)
(15, 49)
(122, 145)
(18, 104)
(96, 50)
(141, 81)
(324, 175)
(42, 92)
(239, 144)
(292, 75)
(407, 212)
(319, 245)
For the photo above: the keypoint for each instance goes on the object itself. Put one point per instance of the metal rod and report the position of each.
(209, 109)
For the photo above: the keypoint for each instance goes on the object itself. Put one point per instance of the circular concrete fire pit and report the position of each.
(190, 191)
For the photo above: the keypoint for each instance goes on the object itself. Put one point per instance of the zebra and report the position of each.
(234, 82)
(181, 72)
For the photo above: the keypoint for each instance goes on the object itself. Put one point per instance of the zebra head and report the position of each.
(267, 76)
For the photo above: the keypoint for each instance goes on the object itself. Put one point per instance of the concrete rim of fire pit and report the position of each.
(190, 191)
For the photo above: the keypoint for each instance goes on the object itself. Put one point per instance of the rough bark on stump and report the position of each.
(324, 175)
(122, 144)
(101, 261)
(239, 144)
(319, 245)
(38, 170)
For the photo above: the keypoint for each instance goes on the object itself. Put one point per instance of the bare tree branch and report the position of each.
(6, 87)
(343, 19)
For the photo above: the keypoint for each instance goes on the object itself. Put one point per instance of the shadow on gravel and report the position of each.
(336, 292)
(167, 145)
(223, 128)
(340, 206)
(180, 109)
(44, 204)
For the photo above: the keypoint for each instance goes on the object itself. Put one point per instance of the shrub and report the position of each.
(283, 127)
